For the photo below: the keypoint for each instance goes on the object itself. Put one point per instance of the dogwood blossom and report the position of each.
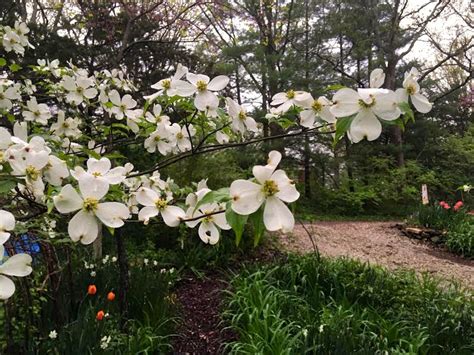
(204, 88)
(209, 225)
(169, 86)
(314, 109)
(156, 204)
(377, 78)
(79, 89)
(38, 113)
(160, 139)
(156, 116)
(411, 89)
(240, 121)
(270, 187)
(8, 95)
(285, 100)
(68, 127)
(84, 226)
(368, 105)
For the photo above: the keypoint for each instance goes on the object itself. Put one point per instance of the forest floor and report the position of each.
(382, 244)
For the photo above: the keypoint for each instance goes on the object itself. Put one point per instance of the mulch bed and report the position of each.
(202, 330)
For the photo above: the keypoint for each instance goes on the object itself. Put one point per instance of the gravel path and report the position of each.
(379, 243)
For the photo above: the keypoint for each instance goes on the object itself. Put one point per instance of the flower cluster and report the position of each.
(60, 153)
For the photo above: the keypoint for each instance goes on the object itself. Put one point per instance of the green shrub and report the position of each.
(437, 217)
(461, 240)
(315, 305)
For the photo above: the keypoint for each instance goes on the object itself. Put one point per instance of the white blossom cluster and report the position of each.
(61, 151)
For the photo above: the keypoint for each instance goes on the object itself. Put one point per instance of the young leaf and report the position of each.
(218, 196)
(342, 126)
(236, 221)
(256, 219)
(407, 111)
(6, 186)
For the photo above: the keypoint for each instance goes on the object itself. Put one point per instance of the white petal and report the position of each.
(147, 197)
(274, 158)
(94, 187)
(247, 196)
(287, 189)
(218, 83)
(208, 233)
(194, 78)
(402, 95)
(7, 221)
(7, 287)
(365, 125)
(172, 215)
(112, 214)
(184, 89)
(4, 236)
(346, 103)
(262, 173)
(276, 216)
(68, 200)
(17, 265)
(83, 227)
(146, 213)
(205, 99)
(116, 175)
(220, 220)
(307, 118)
(421, 103)
(377, 78)
(101, 166)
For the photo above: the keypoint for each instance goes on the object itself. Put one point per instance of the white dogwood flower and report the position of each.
(159, 139)
(411, 89)
(8, 95)
(79, 88)
(285, 100)
(156, 204)
(68, 127)
(240, 121)
(368, 105)
(37, 112)
(209, 225)
(204, 89)
(377, 78)
(169, 86)
(314, 109)
(156, 117)
(123, 107)
(84, 226)
(270, 187)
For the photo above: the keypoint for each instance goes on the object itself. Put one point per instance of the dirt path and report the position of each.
(379, 243)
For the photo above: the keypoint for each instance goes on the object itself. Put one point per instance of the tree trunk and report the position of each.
(124, 278)
(307, 167)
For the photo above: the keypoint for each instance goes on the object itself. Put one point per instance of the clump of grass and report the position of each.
(315, 305)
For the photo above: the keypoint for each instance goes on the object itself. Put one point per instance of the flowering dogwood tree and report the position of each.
(59, 155)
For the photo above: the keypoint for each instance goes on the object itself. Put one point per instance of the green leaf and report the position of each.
(236, 221)
(335, 87)
(398, 122)
(256, 219)
(285, 123)
(6, 186)
(3, 62)
(14, 67)
(342, 126)
(407, 111)
(221, 195)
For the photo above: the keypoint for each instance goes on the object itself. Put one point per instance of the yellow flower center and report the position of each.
(242, 116)
(290, 94)
(157, 138)
(96, 174)
(316, 106)
(32, 173)
(90, 204)
(411, 89)
(161, 204)
(364, 104)
(270, 188)
(201, 85)
(79, 90)
(123, 108)
(166, 84)
(180, 135)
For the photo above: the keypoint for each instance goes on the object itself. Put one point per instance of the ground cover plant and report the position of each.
(315, 305)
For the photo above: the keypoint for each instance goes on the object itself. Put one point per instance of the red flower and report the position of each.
(446, 206)
(100, 315)
(442, 203)
(111, 296)
(458, 205)
(92, 290)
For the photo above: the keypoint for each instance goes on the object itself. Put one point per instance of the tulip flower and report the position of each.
(100, 315)
(111, 296)
(92, 290)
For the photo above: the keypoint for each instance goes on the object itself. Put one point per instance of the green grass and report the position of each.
(315, 305)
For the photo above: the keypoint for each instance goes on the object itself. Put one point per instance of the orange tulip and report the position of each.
(92, 290)
(100, 315)
(111, 296)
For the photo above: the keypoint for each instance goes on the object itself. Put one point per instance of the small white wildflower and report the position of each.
(155, 262)
(104, 342)
(53, 334)
(93, 274)
(146, 261)
(321, 328)
(162, 271)
(305, 332)
(114, 259)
